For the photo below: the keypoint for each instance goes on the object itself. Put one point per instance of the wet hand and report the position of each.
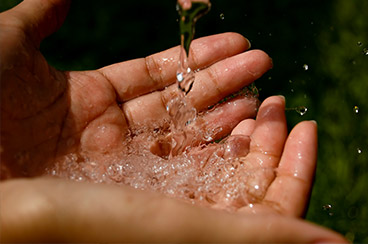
(47, 114)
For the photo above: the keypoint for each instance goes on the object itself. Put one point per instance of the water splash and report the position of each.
(214, 175)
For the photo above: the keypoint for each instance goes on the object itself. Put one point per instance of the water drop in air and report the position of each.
(305, 67)
(327, 207)
(301, 110)
(356, 109)
(360, 44)
(222, 16)
(359, 150)
(365, 51)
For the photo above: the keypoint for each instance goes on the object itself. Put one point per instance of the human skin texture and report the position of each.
(47, 114)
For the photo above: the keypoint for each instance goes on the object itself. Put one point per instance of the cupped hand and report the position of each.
(47, 114)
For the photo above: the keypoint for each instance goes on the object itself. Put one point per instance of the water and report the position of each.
(334, 85)
(301, 110)
(187, 21)
(180, 161)
(356, 109)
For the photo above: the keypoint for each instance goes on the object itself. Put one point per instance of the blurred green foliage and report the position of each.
(330, 36)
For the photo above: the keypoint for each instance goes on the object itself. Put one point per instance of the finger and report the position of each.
(39, 18)
(245, 128)
(220, 121)
(213, 125)
(141, 76)
(291, 188)
(50, 210)
(211, 85)
(227, 77)
(268, 138)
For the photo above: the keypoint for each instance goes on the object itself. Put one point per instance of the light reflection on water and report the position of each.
(330, 36)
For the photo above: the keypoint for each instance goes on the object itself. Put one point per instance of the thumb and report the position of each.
(40, 18)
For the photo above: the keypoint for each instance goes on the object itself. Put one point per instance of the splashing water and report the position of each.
(215, 175)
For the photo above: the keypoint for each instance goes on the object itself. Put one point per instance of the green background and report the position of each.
(329, 36)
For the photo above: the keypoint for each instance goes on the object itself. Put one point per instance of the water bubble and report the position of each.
(222, 16)
(305, 67)
(356, 109)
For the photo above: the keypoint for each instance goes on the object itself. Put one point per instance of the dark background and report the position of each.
(329, 36)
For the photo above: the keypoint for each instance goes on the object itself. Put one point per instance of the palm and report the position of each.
(47, 115)
(56, 113)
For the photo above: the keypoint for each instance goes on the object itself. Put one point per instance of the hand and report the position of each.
(47, 114)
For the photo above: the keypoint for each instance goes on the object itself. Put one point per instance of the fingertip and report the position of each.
(263, 62)
(274, 105)
(245, 128)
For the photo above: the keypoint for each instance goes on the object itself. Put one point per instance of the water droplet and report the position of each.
(356, 109)
(305, 67)
(359, 44)
(179, 77)
(365, 51)
(359, 150)
(327, 207)
(222, 16)
(301, 110)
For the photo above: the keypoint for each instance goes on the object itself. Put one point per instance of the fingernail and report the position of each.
(313, 121)
(282, 97)
(249, 44)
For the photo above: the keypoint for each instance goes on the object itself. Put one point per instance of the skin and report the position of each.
(46, 114)
(187, 4)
